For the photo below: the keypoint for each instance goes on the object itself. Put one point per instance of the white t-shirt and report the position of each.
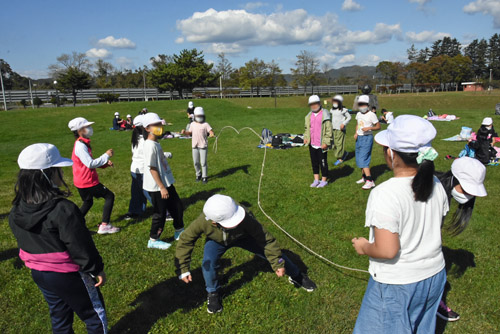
(137, 165)
(391, 206)
(154, 157)
(389, 117)
(367, 119)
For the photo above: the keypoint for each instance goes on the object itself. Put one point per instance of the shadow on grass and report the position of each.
(338, 173)
(457, 263)
(11, 254)
(200, 196)
(378, 170)
(230, 171)
(171, 295)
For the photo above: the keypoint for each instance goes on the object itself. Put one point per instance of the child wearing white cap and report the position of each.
(85, 176)
(367, 122)
(159, 182)
(117, 122)
(129, 123)
(485, 135)
(340, 119)
(318, 135)
(225, 225)
(404, 215)
(464, 182)
(199, 130)
(55, 243)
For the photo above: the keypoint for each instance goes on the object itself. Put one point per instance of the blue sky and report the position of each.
(339, 32)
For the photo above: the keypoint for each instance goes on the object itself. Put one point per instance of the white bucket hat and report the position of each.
(364, 99)
(198, 111)
(407, 134)
(117, 113)
(224, 211)
(190, 104)
(78, 123)
(42, 156)
(151, 118)
(470, 173)
(487, 121)
(138, 120)
(314, 99)
(338, 98)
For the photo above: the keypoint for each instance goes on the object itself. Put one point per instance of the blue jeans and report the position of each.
(214, 251)
(138, 196)
(400, 309)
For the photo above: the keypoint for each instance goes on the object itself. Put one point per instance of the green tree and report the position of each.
(446, 47)
(11, 79)
(412, 53)
(103, 74)
(274, 77)
(460, 69)
(493, 55)
(37, 102)
(476, 51)
(306, 70)
(253, 75)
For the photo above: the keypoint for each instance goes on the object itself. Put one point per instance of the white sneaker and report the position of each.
(368, 185)
(361, 180)
(158, 244)
(107, 229)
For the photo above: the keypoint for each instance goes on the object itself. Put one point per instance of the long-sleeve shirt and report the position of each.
(84, 165)
(340, 116)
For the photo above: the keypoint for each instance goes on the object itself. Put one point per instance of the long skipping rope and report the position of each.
(215, 147)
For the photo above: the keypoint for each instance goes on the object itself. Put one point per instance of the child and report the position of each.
(404, 215)
(129, 124)
(387, 117)
(159, 182)
(55, 243)
(199, 130)
(318, 135)
(85, 176)
(367, 122)
(117, 122)
(144, 111)
(485, 135)
(340, 119)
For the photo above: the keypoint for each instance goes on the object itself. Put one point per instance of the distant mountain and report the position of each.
(354, 72)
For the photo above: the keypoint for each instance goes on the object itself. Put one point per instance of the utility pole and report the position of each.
(491, 75)
(220, 81)
(3, 90)
(31, 95)
(144, 80)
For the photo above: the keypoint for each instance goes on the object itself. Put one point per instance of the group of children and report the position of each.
(404, 214)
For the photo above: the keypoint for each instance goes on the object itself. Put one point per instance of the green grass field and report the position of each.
(143, 294)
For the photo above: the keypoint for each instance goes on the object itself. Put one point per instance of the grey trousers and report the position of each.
(200, 161)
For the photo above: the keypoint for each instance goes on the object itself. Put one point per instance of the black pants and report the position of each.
(68, 293)
(98, 191)
(319, 158)
(160, 206)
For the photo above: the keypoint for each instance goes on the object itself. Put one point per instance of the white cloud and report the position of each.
(425, 36)
(420, 2)
(117, 43)
(239, 29)
(125, 62)
(249, 6)
(226, 48)
(351, 6)
(179, 40)
(98, 53)
(34, 74)
(486, 7)
(327, 58)
(370, 60)
(347, 59)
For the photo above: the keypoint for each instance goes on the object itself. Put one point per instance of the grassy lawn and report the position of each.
(144, 295)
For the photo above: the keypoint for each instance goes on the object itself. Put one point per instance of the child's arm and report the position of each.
(82, 152)
(159, 182)
(187, 133)
(385, 246)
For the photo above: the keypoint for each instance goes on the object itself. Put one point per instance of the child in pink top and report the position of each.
(199, 130)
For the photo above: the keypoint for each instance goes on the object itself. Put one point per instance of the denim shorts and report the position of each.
(363, 151)
(401, 308)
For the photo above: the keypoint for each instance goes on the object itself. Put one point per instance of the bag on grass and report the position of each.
(267, 136)
(277, 141)
(497, 109)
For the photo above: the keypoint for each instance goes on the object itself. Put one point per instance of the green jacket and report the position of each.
(249, 227)
(326, 129)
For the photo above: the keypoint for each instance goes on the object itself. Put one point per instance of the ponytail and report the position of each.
(423, 182)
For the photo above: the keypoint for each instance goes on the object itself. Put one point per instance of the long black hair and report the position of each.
(462, 215)
(33, 187)
(138, 131)
(423, 182)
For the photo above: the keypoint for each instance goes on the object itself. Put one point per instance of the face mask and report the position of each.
(157, 131)
(89, 131)
(363, 110)
(199, 119)
(489, 127)
(459, 197)
(316, 110)
(335, 105)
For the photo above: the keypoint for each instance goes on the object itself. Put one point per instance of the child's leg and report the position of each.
(336, 144)
(340, 144)
(211, 255)
(315, 161)
(100, 191)
(203, 161)
(175, 207)
(137, 203)
(324, 165)
(196, 161)
(159, 215)
(87, 198)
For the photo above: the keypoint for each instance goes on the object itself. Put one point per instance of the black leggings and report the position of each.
(160, 206)
(319, 158)
(98, 191)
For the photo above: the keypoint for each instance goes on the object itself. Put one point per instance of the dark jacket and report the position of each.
(483, 149)
(248, 228)
(52, 236)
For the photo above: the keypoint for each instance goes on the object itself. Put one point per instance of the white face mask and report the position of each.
(199, 119)
(335, 105)
(89, 131)
(459, 197)
(489, 127)
(363, 110)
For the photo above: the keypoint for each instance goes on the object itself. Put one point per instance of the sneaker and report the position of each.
(338, 162)
(158, 244)
(322, 184)
(168, 217)
(446, 313)
(214, 304)
(107, 229)
(315, 184)
(368, 185)
(361, 180)
(198, 179)
(130, 216)
(177, 233)
(204, 180)
(304, 282)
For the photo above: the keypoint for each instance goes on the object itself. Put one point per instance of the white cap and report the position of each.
(338, 98)
(138, 120)
(128, 115)
(117, 113)
(41, 156)
(314, 99)
(151, 118)
(198, 111)
(224, 211)
(487, 121)
(470, 173)
(190, 104)
(364, 99)
(407, 134)
(145, 110)
(78, 123)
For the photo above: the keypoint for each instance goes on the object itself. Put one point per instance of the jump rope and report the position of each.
(215, 147)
